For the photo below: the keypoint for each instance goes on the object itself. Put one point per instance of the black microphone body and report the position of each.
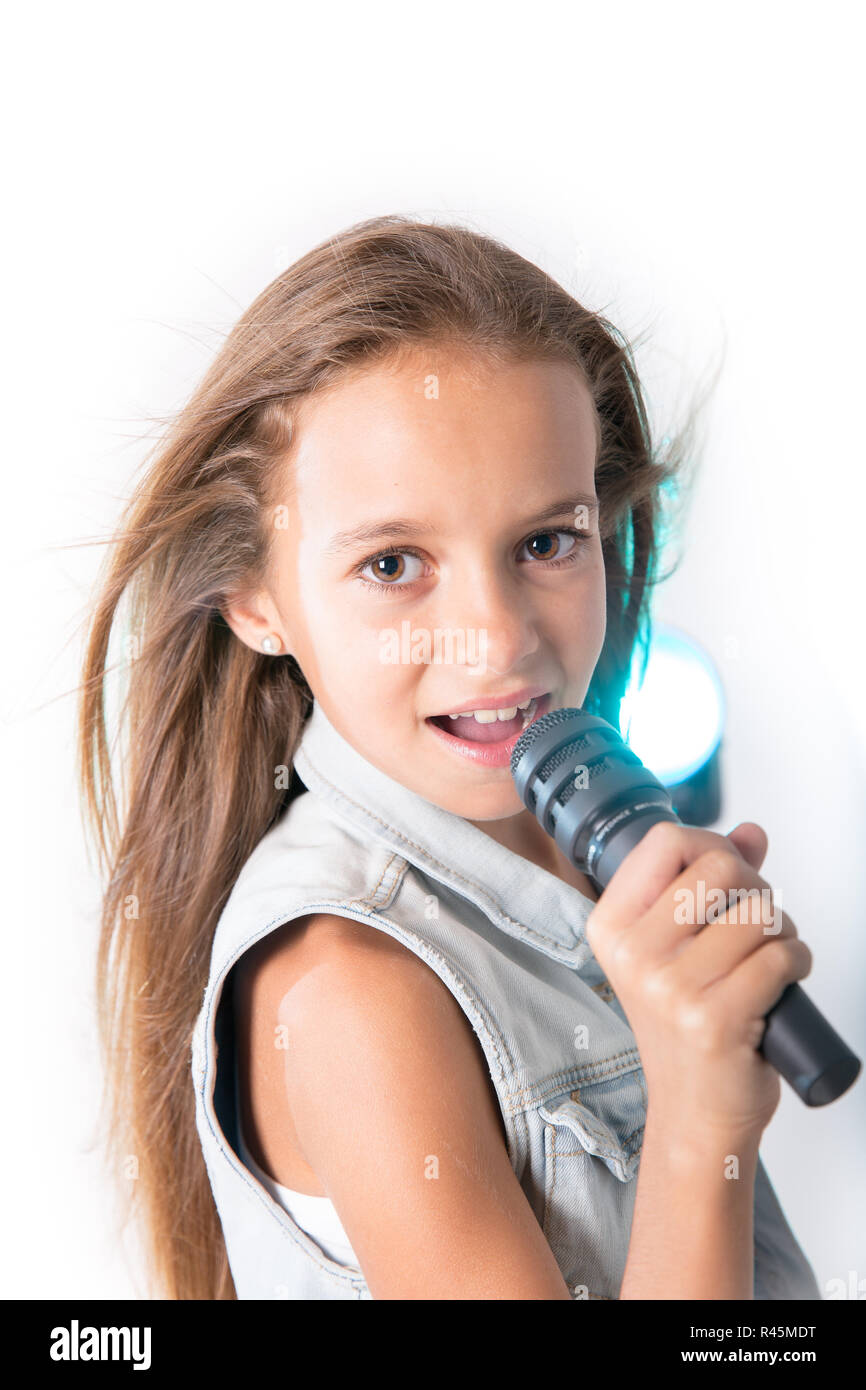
(595, 797)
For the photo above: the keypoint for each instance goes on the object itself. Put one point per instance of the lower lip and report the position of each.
(489, 754)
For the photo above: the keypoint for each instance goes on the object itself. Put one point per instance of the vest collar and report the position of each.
(521, 898)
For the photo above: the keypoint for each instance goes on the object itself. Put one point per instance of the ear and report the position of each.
(253, 617)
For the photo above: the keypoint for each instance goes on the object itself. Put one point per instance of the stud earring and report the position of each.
(271, 643)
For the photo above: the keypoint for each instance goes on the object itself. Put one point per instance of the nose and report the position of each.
(492, 607)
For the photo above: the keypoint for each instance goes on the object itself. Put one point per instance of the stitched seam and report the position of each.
(607, 1152)
(449, 871)
(367, 901)
(401, 933)
(591, 1122)
(550, 1131)
(630, 1142)
(548, 1201)
(498, 1044)
(340, 1276)
(462, 988)
(587, 1074)
(401, 868)
(293, 1233)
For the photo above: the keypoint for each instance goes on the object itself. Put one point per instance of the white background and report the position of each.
(694, 171)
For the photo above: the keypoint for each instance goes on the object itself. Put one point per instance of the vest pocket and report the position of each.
(592, 1141)
(606, 1119)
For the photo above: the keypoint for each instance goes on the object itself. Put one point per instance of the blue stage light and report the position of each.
(673, 719)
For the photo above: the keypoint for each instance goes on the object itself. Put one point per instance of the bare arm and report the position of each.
(696, 988)
(692, 1231)
(391, 1099)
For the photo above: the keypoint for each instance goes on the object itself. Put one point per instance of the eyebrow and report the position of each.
(405, 527)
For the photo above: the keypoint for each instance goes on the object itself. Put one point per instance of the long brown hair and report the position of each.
(203, 720)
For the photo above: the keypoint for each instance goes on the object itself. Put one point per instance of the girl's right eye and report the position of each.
(390, 568)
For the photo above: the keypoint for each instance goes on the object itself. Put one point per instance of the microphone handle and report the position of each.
(798, 1040)
(806, 1049)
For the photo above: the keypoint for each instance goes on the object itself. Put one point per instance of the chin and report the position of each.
(496, 803)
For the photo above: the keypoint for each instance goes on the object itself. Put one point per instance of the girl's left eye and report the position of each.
(392, 558)
(568, 555)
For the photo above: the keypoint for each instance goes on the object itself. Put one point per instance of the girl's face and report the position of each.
(429, 559)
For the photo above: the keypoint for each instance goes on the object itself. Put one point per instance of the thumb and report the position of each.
(750, 839)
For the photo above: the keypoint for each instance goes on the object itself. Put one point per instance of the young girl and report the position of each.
(413, 505)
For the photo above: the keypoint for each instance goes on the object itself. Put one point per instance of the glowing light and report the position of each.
(674, 719)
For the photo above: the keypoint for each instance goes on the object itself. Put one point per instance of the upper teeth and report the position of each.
(487, 716)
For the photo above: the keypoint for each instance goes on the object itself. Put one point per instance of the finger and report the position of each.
(764, 975)
(717, 886)
(751, 841)
(730, 939)
(647, 870)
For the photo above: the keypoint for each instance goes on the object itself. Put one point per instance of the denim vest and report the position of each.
(507, 939)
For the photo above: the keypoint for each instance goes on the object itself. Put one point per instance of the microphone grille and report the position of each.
(535, 731)
(593, 770)
(578, 739)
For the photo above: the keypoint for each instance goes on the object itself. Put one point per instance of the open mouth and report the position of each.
(466, 728)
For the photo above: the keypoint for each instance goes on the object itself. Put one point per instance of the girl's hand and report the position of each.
(696, 995)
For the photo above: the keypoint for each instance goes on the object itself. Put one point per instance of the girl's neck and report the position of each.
(524, 836)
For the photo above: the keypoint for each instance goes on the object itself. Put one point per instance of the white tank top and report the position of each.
(315, 1215)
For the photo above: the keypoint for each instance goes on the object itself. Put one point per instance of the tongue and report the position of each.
(467, 727)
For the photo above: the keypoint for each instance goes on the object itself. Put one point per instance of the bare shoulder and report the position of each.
(319, 978)
(340, 974)
(273, 969)
(395, 1111)
(338, 949)
(263, 977)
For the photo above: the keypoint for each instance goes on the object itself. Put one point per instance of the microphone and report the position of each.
(595, 797)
